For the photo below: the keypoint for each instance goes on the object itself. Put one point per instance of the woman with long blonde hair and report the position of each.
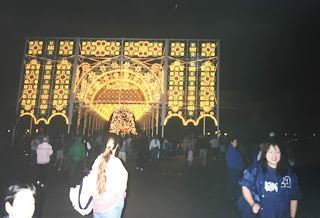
(111, 185)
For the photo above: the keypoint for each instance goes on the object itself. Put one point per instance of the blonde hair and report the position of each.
(102, 178)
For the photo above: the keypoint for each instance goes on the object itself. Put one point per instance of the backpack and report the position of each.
(81, 195)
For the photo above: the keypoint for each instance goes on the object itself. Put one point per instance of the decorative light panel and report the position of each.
(193, 49)
(30, 86)
(61, 86)
(50, 48)
(35, 47)
(177, 49)
(45, 87)
(208, 49)
(100, 48)
(143, 49)
(207, 91)
(176, 85)
(66, 48)
(192, 90)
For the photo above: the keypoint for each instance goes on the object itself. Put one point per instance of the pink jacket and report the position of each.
(44, 151)
(116, 185)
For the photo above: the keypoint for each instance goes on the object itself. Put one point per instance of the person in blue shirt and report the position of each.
(269, 187)
(235, 166)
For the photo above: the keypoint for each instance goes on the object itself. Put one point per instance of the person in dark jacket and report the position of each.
(269, 187)
(235, 166)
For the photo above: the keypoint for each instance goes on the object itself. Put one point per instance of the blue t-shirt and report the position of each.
(271, 188)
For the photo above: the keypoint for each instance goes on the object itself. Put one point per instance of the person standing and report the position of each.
(141, 148)
(214, 142)
(34, 144)
(76, 155)
(129, 148)
(190, 157)
(269, 186)
(111, 184)
(123, 150)
(203, 150)
(44, 151)
(235, 166)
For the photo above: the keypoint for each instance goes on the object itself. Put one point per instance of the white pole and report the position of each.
(164, 95)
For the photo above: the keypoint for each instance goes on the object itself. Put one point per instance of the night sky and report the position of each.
(268, 59)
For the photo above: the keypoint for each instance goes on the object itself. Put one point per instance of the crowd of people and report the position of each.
(266, 186)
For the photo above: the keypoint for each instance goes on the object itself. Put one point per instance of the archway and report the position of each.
(109, 86)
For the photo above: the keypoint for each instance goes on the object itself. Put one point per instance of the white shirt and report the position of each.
(154, 143)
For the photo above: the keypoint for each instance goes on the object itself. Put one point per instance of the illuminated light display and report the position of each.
(45, 87)
(207, 92)
(177, 49)
(66, 48)
(50, 48)
(192, 92)
(58, 114)
(30, 85)
(61, 86)
(120, 73)
(122, 122)
(100, 48)
(193, 49)
(176, 85)
(100, 86)
(208, 49)
(143, 49)
(35, 47)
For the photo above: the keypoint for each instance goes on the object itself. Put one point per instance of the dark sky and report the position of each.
(269, 51)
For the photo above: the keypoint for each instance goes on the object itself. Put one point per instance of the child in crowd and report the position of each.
(190, 157)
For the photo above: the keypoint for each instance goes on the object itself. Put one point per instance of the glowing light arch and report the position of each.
(29, 114)
(208, 115)
(118, 79)
(185, 122)
(42, 119)
(134, 61)
(175, 115)
(121, 80)
(59, 114)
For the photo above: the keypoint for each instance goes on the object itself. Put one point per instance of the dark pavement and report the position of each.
(170, 190)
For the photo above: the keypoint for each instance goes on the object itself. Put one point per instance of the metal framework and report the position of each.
(153, 78)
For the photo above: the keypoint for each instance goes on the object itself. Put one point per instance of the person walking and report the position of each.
(111, 184)
(44, 151)
(76, 155)
(59, 144)
(235, 166)
(154, 148)
(269, 186)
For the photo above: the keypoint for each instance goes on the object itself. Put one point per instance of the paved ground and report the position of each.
(171, 190)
